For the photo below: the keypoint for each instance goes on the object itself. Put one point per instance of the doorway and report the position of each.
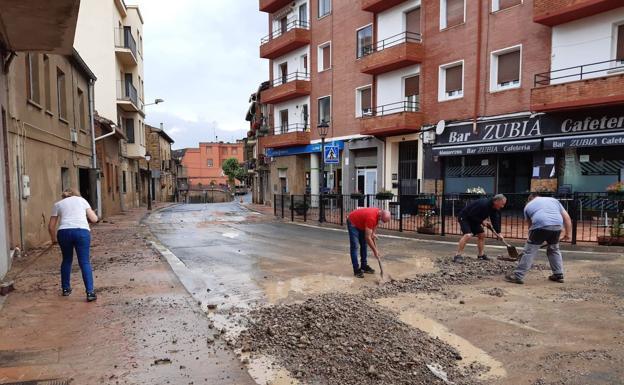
(367, 181)
(284, 72)
(83, 183)
(514, 173)
(408, 168)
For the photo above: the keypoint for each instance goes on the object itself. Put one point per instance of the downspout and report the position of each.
(98, 181)
(478, 67)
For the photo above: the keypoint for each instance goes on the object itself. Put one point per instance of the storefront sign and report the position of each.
(575, 141)
(489, 148)
(298, 150)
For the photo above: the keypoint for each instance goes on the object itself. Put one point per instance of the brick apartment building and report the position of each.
(202, 165)
(443, 95)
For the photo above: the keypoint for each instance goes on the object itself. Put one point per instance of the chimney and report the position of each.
(161, 126)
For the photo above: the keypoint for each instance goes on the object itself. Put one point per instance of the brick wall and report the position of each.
(581, 93)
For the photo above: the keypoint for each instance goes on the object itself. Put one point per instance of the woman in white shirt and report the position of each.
(72, 214)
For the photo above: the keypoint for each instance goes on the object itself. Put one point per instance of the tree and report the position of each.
(233, 170)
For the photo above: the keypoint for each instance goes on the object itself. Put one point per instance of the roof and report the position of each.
(79, 62)
(178, 154)
(109, 125)
(162, 133)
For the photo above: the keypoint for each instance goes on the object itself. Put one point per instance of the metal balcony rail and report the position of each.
(127, 91)
(392, 108)
(290, 78)
(403, 37)
(288, 27)
(288, 128)
(581, 72)
(124, 39)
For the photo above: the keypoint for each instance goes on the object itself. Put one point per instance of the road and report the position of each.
(229, 256)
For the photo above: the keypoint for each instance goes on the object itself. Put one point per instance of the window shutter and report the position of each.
(366, 99)
(502, 4)
(412, 86)
(620, 43)
(412, 20)
(454, 78)
(454, 12)
(509, 67)
(326, 57)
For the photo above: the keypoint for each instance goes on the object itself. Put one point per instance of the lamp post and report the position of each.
(323, 128)
(156, 101)
(148, 157)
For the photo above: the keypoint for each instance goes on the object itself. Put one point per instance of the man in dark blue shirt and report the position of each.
(471, 220)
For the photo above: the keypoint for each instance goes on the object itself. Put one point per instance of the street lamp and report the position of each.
(156, 101)
(148, 157)
(323, 129)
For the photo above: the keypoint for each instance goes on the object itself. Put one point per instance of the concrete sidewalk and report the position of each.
(143, 329)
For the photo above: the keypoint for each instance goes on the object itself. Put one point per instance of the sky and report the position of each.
(202, 58)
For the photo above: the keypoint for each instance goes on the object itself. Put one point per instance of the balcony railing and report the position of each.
(289, 26)
(127, 91)
(412, 104)
(290, 78)
(124, 39)
(582, 72)
(403, 37)
(288, 128)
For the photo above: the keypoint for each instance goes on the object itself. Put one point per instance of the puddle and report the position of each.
(263, 371)
(307, 285)
(469, 352)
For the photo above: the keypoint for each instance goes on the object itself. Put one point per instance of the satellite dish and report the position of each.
(440, 127)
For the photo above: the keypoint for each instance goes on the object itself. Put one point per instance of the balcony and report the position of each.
(128, 97)
(377, 6)
(392, 119)
(287, 136)
(581, 86)
(549, 12)
(125, 47)
(287, 87)
(271, 6)
(295, 34)
(393, 53)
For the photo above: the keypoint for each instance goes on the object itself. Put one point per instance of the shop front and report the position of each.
(567, 151)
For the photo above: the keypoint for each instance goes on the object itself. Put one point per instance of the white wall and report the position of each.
(295, 62)
(390, 85)
(585, 41)
(392, 21)
(295, 111)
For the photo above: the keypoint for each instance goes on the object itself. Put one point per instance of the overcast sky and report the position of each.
(201, 57)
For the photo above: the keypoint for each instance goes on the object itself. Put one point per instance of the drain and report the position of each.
(41, 382)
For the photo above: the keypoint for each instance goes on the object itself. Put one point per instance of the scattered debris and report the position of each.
(439, 372)
(162, 361)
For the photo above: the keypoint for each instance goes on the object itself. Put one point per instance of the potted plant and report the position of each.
(616, 190)
(384, 195)
(357, 196)
(429, 223)
(616, 237)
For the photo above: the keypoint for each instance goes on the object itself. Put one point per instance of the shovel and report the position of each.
(511, 250)
(381, 267)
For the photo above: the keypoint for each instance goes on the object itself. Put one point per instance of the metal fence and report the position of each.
(593, 214)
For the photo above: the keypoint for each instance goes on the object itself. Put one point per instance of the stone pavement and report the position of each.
(143, 329)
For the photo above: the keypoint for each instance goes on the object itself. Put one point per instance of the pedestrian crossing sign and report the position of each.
(332, 155)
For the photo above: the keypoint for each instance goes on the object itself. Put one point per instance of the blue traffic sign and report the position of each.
(332, 155)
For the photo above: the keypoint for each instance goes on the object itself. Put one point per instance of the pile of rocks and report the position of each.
(345, 339)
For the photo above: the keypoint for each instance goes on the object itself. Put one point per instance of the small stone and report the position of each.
(211, 306)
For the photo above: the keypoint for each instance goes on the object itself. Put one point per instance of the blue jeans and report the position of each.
(79, 239)
(357, 237)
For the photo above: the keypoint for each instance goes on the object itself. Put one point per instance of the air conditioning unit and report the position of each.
(73, 136)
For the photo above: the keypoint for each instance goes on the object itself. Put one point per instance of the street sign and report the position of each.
(332, 154)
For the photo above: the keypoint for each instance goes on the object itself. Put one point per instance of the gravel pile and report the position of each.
(339, 339)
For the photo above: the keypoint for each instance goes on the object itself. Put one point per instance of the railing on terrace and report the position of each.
(288, 128)
(127, 91)
(283, 79)
(581, 72)
(412, 105)
(592, 214)
(288, 27)
(403, 37)
(124, 39)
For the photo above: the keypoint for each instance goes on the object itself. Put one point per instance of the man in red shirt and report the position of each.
(362, 227)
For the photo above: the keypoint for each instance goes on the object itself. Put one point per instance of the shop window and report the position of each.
(452, 13)
(324, 54)
(364, 102)
(324, 8)
(324, 108)
(505, 68)
(498, 5)
(451, 81)
(364, 41)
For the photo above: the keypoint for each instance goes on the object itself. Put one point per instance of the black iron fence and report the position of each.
(287, 78)
(403, 37)
(301, 24)
(585, 71)
(594, 215)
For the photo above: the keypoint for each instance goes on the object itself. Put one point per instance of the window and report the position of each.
(32, 77)
(61, 94)
(412, 92)
(82, 105)
(234, 151)
(451, 13)
(364, 41)
(324, 109)
(283, 121)
(283, 69)
(324, 54)
(224, 151)
(305, 116)
(324, 8)
(46, 83)
(304, 61)
(619, 50)
(124, 183)
(283, 25)
(505, 69)
(209, 163)
(303, 15)
(498, 5)
(412, 21)
(364, 102)
(129, 124)
(451, 81)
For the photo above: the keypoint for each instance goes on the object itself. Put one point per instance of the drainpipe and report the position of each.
(98, 181)
(478, 67)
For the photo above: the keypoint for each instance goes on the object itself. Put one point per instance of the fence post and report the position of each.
(442, 216)
(305, 208)
(342, 210)
(282, 206)
(575, 207)
(367, 200)
(321, 208)
(400, 212)
(292, 205)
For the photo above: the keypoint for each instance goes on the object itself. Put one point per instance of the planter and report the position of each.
(611, 241)
(426, 230)
(384, 196)
(616, 195)
(357, 196)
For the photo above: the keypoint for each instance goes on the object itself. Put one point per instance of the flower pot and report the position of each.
(426, 230)
(384, 196)
(611, 241)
